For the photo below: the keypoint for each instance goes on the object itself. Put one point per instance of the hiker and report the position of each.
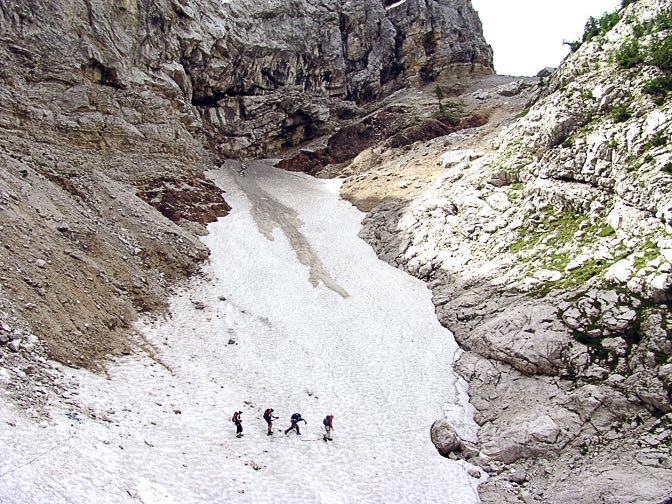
(296, 418)
(328, 423)
(239, 423)
(269, 417)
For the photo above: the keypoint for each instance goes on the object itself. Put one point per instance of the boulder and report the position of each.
(661, 288)
(445, 437)
(543, 429)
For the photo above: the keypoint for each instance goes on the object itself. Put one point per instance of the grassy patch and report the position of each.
(607, 230)
(650, 251)
(523, 113)
(561, 228)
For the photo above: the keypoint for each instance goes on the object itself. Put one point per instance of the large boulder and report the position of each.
(445, 438)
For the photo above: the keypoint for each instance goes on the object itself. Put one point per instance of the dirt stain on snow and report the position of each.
(269, 214)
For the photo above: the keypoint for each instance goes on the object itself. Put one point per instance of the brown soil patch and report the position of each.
(191, 197)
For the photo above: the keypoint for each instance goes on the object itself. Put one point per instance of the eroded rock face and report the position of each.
(253, 76)
(548, 254)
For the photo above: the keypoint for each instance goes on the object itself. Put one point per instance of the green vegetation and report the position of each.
(560, 229)
(630, 55)
(667, 168)
(662, 22)
(595, 27)
(552, 233)
(523, 113)
(573, 278)
(657, 53)
(658, 140)
(515, 192)
(620, 113)
(607, 230)
(581, 275)
(659, 88)
(573, 45)
(449, 112)
(648, 253)
(439, 95)
(661, 54)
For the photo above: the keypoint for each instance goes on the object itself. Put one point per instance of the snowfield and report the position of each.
(294, 312)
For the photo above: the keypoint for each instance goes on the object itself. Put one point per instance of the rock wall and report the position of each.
(252, 77)
(547, 249)
(286, 72)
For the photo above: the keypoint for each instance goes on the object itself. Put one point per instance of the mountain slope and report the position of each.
(547, 247)
(112, 110)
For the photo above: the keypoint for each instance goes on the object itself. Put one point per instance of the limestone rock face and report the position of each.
(548, 253)
(253, 75)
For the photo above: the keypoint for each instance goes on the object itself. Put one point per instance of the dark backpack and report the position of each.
(234, 418)
(327, 420)
(296, 417)
(267, 414)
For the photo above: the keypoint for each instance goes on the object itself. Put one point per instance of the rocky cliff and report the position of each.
(547, 247)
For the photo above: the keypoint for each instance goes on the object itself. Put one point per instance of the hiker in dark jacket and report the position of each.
(239, 423)
(296, 418)
(328, 423)
(268, 416)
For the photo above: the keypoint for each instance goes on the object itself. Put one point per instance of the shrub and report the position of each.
(663, 20)
(573, 45)
(661, 54)
(595, 27)
(599, 26)
(667, 168)
(659, 88)
(640, 30)
(629, 55)
(621, 113)
(439, 96)
(658, 140)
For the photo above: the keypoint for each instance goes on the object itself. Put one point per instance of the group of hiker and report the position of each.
(295, 419)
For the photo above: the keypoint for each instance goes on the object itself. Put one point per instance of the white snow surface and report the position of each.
(320, 326)
(395, 4)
